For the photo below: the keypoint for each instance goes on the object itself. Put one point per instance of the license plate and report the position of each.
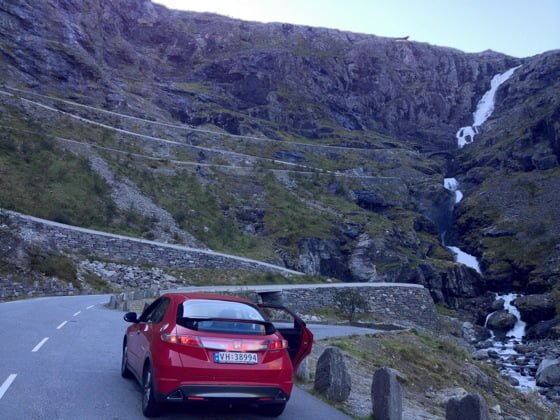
(235, 357)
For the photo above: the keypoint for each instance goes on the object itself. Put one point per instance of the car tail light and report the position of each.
(185, 340)
(277, 344)
(225, 344)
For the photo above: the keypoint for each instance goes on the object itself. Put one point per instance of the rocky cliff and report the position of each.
(320, 150)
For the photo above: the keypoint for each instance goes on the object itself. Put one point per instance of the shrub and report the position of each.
(350, 301)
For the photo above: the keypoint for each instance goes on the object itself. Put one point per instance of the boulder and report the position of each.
(369, 200)
(501, 320)
(474, 333)
(303, 372)
(548, 373)
(471, 407)
(331, 376)
(535, 308)
(544, 329)
(386, 395)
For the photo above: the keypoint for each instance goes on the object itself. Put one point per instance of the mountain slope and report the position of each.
(320, 150)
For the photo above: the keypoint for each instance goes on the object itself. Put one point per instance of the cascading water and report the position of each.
(465, 135)
(461, 256)
(484, 109)
(512, 364)
(518, 367)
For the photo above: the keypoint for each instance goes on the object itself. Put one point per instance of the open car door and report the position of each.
(293, 329)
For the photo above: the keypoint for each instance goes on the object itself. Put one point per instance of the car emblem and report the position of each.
(237, 345)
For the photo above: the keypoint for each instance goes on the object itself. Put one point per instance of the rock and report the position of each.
(386, 395)
(474, 333)
(369, 200)
(461, 281)
(331, 376)
(481, 354)
(544, 329)
(535, 308)
(324, 257)
(501, 320)
(471, 407)
(548, 373)
(303, 372)
(498, 304)
(360, 263)
(475, 375)
(513, 381)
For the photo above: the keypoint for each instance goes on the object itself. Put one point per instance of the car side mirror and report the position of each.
(131, 317)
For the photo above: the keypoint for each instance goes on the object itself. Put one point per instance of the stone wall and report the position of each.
(389, 302)
(135, 251)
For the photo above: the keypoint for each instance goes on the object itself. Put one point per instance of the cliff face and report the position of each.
(385, 105)
(308, 81)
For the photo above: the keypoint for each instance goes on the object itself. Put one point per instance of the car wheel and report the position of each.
(125, 371)
(272, 410)
(150, 407)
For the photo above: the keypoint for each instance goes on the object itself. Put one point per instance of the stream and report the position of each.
(503, 347)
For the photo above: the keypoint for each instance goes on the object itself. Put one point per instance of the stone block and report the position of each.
(331, 376)
(471, 407)
(386, 395)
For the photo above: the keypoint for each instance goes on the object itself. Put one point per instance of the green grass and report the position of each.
(38, 179)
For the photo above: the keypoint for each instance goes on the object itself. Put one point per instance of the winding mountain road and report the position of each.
(60, 359)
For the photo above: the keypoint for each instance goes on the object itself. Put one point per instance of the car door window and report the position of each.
(155, 312)
(293, 329)
(159, 312)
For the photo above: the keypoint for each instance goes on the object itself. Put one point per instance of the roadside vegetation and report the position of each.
(431, 369)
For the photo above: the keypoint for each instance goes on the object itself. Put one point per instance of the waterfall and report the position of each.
(484, 109)
(461, 256)
(465, 135)
(505, 347)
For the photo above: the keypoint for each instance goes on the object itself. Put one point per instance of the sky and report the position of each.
(520, 28)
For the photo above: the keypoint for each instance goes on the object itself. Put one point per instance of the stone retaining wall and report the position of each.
(389, 302)
(122, 248)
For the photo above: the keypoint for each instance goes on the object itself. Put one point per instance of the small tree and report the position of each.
(349, 301)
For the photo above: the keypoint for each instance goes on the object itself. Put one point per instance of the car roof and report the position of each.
(183, 296)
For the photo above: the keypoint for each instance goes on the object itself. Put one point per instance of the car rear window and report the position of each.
(221, 316)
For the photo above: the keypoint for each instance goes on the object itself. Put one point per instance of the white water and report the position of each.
(505, 347)
(452, 185)
(461, 256)
(464, 258)
(484, 109)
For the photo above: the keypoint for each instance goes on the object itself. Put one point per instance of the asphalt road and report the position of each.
(60, 359)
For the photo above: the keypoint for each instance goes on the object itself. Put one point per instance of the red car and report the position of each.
(188, 347)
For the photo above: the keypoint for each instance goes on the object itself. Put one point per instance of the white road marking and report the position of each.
(7, 384)
(90, 306)
(77, 313)
(61, 325)
(38, 346)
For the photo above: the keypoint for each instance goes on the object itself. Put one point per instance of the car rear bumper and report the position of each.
(223, 393)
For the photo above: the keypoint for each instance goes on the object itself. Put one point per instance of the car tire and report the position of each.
(125, 371)
(272, 410)
(150, 407)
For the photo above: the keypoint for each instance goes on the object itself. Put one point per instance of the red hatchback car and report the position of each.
(200, 347)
